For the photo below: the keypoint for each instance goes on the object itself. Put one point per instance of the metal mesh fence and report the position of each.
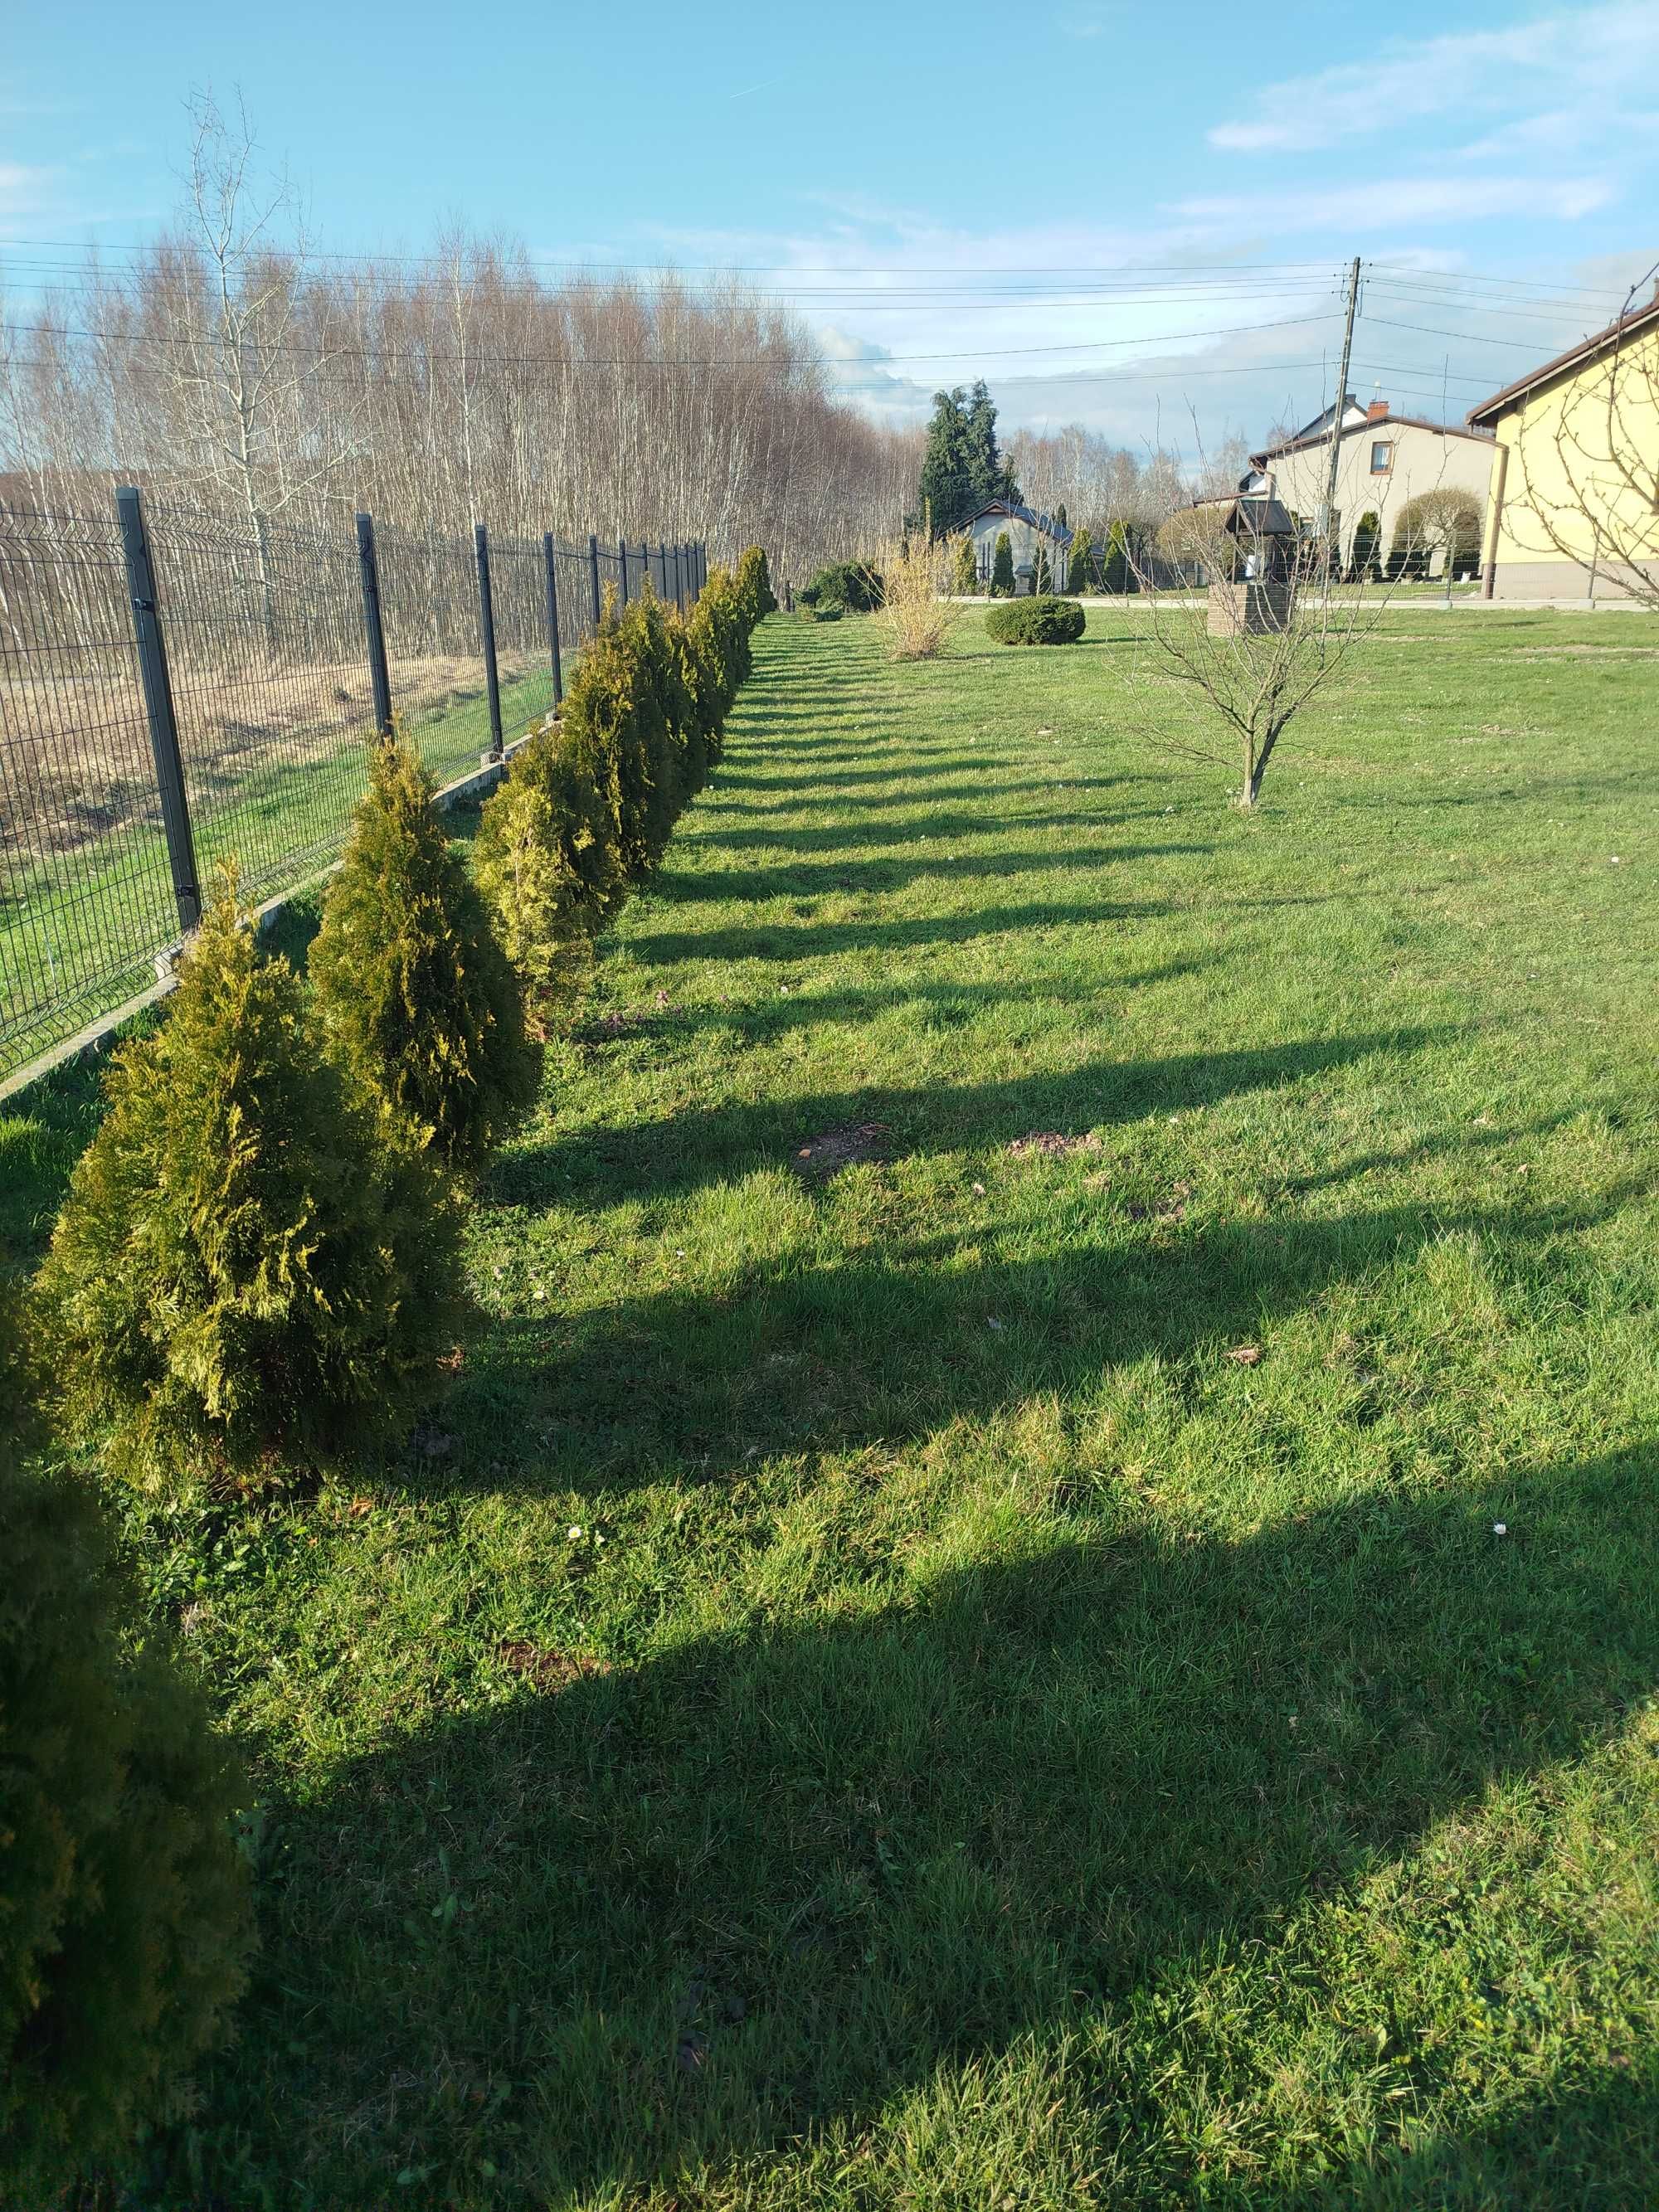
(271, 689)
(86, 900)
(268, 673)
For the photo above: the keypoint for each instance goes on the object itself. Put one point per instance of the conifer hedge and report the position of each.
(419, 1006)
(246, 1281)
(591, 802)
(125, 1918)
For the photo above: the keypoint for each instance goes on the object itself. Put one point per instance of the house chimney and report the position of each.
(1377, 412)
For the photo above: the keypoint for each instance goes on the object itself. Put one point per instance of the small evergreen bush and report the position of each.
(1036, 622)
(246, 1280)
(1002, 568)
(854, 586)
(1081, 577)
(124, 1919)
(964, 580)
(547, 859)
(418, 1002)
(755, 584)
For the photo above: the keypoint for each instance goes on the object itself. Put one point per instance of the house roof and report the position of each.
(1060, 532)
(1256, 514)
(1303, 439)
(1587, 349)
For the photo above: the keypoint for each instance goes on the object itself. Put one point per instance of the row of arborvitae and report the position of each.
(255, 1279)
(593, 798)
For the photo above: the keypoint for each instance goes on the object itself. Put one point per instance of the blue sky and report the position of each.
(942, 190)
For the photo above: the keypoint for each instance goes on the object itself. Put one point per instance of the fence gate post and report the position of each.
(487, 622)
(379, 673)
(593, 574)
(662, 567)
(679, 576)
(158, 707)
(550, 556)
(622, 555)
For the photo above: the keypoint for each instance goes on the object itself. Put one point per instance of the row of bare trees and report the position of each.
(232, 367)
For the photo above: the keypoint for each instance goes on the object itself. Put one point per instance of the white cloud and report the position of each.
(1391, 200)
(1584, 62)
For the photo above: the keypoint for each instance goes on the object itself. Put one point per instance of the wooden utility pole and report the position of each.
(1326, 530)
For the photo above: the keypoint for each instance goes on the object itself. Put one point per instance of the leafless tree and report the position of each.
(1252, 649)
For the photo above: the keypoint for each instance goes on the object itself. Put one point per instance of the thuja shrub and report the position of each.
(419, 1003)
(547, 859)
(125, 1918)
(722, 595)
(1036, 622)
(755, 584)
(247, 1282)
(704, 669)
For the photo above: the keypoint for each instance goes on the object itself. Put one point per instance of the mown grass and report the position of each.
(868, 1694)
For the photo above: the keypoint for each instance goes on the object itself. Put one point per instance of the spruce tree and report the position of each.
(989, 475)
(949, 491)
(1002, 568)
(246, 1281)
(418, 1002)
(125, 1918)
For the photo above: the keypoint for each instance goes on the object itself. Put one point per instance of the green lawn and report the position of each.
(990, 1678)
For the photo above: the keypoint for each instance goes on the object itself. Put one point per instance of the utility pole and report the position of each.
(1326, 530)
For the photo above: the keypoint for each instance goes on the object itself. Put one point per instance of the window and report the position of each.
(1382, 456)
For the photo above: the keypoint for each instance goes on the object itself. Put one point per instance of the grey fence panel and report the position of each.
(273, 692)
(85, 898)
(271, 688)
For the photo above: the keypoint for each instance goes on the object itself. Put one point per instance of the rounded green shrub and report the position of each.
(125, 1918)
(247, 1281)
(418, 1002)
(1036, 622)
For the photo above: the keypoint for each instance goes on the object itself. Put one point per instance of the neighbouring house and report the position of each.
(1383, 459)
(1574, 506)
(1027, 531)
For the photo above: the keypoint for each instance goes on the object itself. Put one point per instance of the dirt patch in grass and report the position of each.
(836, 1149)
(1051, 1145)
(548, 1670)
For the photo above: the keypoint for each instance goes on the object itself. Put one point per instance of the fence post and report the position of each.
(594, 572)
(379, 673)
(550, 555)
(487, 623)
(158, 705)
(622, 555)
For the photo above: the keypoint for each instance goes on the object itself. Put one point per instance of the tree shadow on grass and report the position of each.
(1584, 2146)
(680, 1151)
(797, 1358)
(805, 879)
(707, 1902)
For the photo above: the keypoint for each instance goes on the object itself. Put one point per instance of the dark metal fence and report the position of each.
(177, 690)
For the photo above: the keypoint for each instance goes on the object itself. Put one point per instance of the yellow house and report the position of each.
(1573, 510)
